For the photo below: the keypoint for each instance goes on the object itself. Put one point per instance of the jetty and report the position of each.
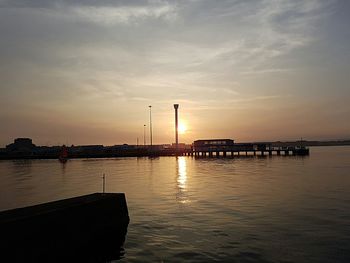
(89, 228)
(227, 148)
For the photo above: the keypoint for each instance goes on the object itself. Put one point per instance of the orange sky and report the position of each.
(85, 73)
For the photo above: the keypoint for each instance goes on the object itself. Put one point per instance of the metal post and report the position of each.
(144, 135)
(104, 183)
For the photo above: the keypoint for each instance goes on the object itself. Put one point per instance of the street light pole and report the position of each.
(144, 135)
(150, 123)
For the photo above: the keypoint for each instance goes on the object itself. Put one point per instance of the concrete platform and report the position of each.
(90, 228)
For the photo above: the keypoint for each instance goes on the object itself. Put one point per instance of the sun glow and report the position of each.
(182, 128)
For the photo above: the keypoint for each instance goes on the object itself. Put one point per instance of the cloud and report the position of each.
(106, 55)
(100, 12)
(268, 71)
(124, 15)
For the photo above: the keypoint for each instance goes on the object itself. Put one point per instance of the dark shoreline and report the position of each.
(53, 152)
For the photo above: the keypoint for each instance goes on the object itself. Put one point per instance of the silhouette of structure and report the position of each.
(90, 228)
(23, 148)
(176, 107)
(227, 148)
(21, 145)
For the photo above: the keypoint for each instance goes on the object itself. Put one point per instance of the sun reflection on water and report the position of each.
(182, 173)
(181, 195)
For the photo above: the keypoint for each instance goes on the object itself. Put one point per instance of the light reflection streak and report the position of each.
(182, 173)
(181, 196)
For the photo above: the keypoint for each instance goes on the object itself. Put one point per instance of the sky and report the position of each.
(85, 72)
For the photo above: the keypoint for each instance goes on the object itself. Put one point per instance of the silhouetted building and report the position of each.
(21, 145)
(212, 144)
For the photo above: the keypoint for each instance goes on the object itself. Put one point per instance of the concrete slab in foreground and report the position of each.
(90, 228)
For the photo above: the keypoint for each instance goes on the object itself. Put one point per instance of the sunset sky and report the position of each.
(85, 72)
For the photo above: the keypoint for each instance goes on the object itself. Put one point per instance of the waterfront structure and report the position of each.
(227, 147)
(199, 148)
(21, 145)
(87, 228)
(212, 143)
(176, 107)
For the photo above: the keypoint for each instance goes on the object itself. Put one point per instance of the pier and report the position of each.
(232, 150)
(227, 148)
(238, 152)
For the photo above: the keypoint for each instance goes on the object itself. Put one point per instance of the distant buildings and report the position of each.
(23, 148)
(21, 145)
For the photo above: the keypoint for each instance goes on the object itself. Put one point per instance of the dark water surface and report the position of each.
(279, 209)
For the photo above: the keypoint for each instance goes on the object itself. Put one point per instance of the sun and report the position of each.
(182, 128)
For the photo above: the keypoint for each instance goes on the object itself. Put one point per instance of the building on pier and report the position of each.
(227, 147)
(212, 144)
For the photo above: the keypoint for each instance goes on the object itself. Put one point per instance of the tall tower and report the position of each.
(176, 106)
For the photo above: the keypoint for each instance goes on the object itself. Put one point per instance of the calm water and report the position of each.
(279, 209)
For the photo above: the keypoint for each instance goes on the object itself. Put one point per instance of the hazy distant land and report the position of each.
(23, 148)
(311, 143)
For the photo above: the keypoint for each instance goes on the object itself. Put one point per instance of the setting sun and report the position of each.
(182, 128)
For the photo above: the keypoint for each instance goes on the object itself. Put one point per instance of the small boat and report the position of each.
(63, 157)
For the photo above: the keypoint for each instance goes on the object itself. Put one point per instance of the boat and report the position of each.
(63, 157)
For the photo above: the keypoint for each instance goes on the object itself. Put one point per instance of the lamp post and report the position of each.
(150, 123)
(144, 135)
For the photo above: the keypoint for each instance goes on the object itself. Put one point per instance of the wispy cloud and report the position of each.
(124, 15)
(110, 57)
(267, 71)
(100, 12)
(283, 26)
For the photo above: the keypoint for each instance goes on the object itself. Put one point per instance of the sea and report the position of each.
(187, 209)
